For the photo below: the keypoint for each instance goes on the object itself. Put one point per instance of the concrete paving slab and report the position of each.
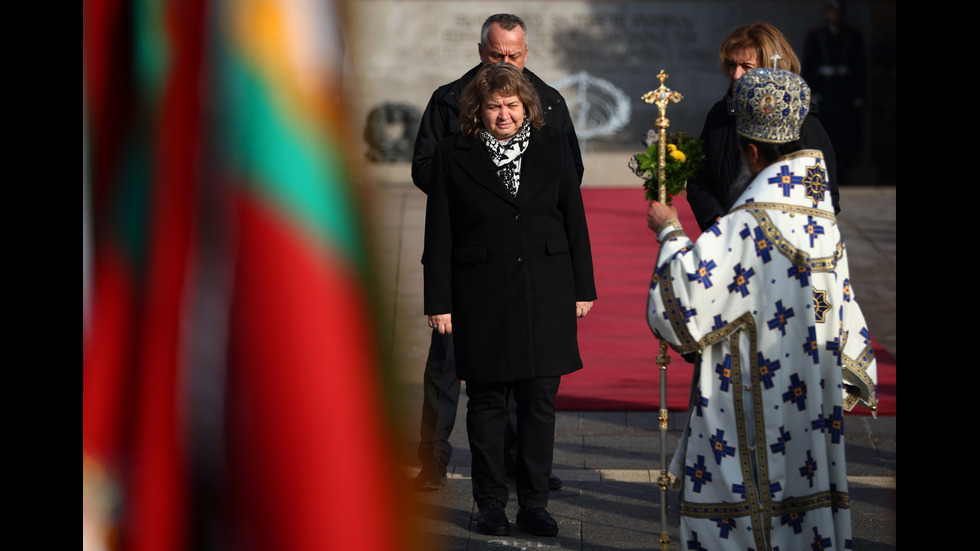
(609, 461)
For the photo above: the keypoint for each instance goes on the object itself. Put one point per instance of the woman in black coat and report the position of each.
(508, 269)
(714, 189)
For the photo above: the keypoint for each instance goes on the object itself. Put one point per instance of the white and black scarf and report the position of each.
(507, 155)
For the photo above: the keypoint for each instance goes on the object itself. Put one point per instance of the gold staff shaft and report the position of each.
(661, 96)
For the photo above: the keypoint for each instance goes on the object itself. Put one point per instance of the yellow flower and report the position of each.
(675, 153)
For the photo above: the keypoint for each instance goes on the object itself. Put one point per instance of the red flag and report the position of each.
(233, 394)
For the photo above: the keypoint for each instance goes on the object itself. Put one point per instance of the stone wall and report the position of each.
(602, 55)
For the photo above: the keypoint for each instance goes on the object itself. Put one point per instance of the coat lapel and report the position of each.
(475, 162)
(537, 165)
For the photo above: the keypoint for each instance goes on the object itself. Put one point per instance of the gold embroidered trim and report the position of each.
(839, 500)
(856, 368)
(801, 153)
(796, 256)
(757, 495)
(785, 207)
(672, 223)
(675, 314)
(673, 235)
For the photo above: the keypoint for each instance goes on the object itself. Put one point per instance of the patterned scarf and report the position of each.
(506, 155)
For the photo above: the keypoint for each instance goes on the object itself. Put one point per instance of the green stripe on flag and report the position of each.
(151, 50)
(287, 161)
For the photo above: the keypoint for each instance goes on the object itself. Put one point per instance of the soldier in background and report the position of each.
(833, 66)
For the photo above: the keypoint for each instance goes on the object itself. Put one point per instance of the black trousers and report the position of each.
(486, 425)
(440, 395)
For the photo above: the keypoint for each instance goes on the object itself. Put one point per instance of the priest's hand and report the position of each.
(658, 213)
(582, 308)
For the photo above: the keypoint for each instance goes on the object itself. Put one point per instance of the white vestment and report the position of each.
(765, 296)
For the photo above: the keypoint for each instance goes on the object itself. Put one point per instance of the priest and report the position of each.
(765, 296)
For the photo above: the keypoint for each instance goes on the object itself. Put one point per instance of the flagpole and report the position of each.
(661, 96)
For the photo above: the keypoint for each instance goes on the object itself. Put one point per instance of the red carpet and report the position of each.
(618, 349)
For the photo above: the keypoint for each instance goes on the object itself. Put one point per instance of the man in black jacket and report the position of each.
(502, 38)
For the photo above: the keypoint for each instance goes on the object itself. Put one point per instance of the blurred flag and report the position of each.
(233, 395)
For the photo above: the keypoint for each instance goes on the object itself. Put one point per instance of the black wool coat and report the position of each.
(509, 269)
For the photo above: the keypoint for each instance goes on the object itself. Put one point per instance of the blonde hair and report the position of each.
(762, 39)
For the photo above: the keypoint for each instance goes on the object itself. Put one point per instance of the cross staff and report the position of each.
(661, 96)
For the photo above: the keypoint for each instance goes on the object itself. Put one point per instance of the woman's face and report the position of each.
(502, 115)
(743, 61)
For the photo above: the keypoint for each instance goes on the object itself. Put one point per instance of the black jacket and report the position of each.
(708, 191)
(509, 269)
(441, 119)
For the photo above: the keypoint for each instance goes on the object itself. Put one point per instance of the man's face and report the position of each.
(503, 45)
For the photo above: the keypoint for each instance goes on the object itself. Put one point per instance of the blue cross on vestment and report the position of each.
(694, 544)
(786, 180)
(725, 525)
(700, 402)
(740, 283)
(809, 468)
(835, 424)
(763, 247)
(794, 519)
(780, 317)
(810, 346)
(720, 447)
(699, 473)
(796, 392)
(767, 368)
(813, 229)
(820, 542)
(724, 371)
(703, 275)
(800, 272)
(780, 445)
(833, 346)
(718, 322)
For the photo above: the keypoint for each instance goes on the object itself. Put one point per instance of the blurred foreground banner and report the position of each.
(233, 392)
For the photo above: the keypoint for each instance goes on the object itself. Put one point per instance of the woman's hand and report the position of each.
(443, 323)
(582, 308)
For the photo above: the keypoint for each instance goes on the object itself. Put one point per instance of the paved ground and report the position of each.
(609, 461)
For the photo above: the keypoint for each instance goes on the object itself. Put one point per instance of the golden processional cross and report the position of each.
(661, 96)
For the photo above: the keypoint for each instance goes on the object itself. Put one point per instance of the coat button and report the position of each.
(520, 259)
(517, 217)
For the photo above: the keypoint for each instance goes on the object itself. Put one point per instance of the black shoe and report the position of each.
(554, 483)
(537, 521)
(431, 477)
(493, 520)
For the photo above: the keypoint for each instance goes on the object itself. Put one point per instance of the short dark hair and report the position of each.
(497, 78)
(507, 22)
